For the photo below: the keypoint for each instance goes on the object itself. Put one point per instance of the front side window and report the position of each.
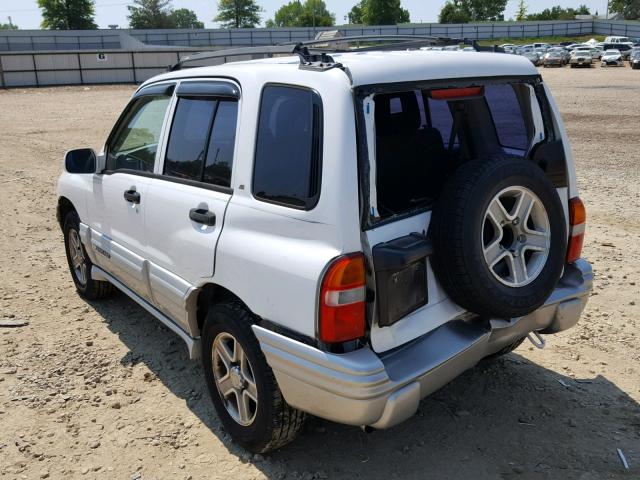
(202, 139)
(289, 147)
(135, 142)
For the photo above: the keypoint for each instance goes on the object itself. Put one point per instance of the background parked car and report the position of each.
(634, 58)
(581, 58)
(624, 48)
(533, 56)
(553, 59)
(612, 58)
(563, 53)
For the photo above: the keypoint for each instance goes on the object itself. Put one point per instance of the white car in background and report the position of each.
(612, 58)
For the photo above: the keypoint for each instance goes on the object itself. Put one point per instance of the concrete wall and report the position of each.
(83, 67)
(34, 40)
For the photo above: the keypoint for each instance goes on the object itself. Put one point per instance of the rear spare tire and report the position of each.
(499, 237)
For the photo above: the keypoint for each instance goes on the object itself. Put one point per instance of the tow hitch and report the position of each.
(537, 340)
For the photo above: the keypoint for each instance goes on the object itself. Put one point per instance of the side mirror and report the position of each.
(81, 160)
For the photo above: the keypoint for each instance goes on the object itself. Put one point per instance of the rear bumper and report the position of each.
(367, 389)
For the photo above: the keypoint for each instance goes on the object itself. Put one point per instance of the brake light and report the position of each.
(577, 222)
(342, 300)
(456, 93)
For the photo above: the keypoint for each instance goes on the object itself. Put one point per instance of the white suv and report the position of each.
(335, 236)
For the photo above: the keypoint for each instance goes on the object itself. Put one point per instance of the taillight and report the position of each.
(342, 300)
(577, 222)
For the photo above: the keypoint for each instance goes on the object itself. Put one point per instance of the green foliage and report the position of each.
(629, 8)
(8, 26)
(238, 13)
(67, 14)
(307, 14)
(378, 12)
(463, 11)
(559, 13)
(185, 18)
(521, 14)
(150, 14)
(356, 15)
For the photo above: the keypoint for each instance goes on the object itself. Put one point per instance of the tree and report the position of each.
(378, 12)
(8, 26)
(356, 15)
(238, 13)
(308, 14)
(629, 8)
(559, 13)
(150, 14)
(521, 14)
(67, 14)
(462, 11)
(184, 18)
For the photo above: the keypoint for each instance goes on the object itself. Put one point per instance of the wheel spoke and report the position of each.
(497, 213)
(243, 407)
(251, 390)
(225, 355)
(536, 241)
(524, 206)
(517, 268)
(225, 385)
(494, 253)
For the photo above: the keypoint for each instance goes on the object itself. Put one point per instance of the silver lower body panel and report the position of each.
(381, 390)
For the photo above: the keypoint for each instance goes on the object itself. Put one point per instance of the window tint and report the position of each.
(441, 119)
(507, 116)
(188, 139)
(288, 149)
(135, 142)
(220, 153)
(202, 140)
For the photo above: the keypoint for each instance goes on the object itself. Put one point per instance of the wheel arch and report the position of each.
(63, 208)
(203, 298)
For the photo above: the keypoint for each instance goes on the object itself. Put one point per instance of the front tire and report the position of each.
(242, 386)
(79, 262)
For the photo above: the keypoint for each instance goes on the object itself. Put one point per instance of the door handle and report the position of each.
(200, 215)
(132, 196)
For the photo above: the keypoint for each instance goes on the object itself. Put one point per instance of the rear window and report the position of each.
(422, 136)
(289, 147)
(507, 117)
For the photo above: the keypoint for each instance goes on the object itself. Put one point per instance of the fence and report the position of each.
(36, 40)
(15, 42)
(87, 67)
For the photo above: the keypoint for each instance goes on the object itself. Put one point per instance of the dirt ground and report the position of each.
(103, 391)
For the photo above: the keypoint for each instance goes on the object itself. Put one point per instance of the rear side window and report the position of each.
(507, 117)
(202, 139)
(288, 148)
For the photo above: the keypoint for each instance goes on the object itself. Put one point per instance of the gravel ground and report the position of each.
(103, 391)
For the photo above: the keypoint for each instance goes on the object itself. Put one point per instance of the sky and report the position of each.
(26, 15)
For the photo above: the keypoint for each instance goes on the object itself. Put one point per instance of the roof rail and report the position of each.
(318, 59)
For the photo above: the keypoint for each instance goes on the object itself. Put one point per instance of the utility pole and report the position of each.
(10, 22)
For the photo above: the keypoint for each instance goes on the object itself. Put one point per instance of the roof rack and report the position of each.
(318, 59)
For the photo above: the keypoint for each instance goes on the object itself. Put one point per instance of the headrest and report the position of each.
(397, 112)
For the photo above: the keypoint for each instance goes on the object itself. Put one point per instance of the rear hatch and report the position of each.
(412, 137)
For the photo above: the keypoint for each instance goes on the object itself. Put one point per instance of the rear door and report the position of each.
(188, 195)
(416, 139)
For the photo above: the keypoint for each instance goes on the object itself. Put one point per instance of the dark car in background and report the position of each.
(634, 58)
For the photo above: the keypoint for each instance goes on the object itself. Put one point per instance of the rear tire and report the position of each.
(242, 386)
(79, 262)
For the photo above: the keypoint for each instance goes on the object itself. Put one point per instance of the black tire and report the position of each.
(275, 423)
(508, 349)
(90, 289)
(458, 225)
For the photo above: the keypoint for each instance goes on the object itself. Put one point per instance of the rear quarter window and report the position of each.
(288, 147)
(508, 117)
